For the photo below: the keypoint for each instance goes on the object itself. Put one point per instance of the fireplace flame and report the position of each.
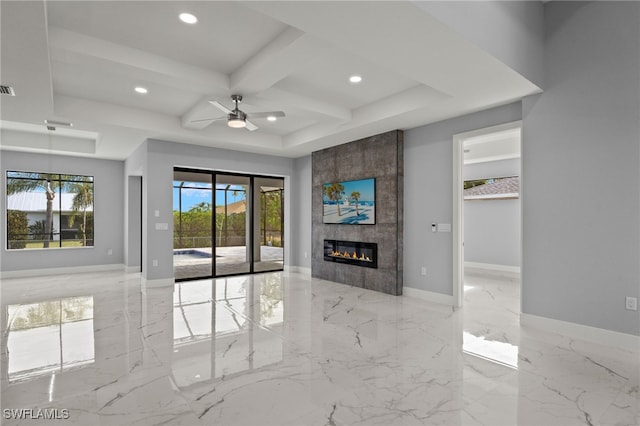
(353, 255)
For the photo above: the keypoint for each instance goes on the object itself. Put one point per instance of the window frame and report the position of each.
(56, 211)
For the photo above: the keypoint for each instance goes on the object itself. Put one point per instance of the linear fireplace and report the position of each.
(351, 252)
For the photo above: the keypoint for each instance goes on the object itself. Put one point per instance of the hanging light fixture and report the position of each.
(236, 118)
(236, 121)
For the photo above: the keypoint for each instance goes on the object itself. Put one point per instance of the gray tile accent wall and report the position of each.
(380, 157)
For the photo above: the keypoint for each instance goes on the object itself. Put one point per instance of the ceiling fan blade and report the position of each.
(265, 114)
(208, 119)
(250, 126)
(220, 107)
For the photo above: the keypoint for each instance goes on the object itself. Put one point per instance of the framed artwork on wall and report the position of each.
(349, 202)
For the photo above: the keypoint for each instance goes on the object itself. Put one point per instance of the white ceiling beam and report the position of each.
(161, 126)
(288, 52)
(417, 45)
(396, 105)
(201, 110)
(262, 70)
(70, 46)
(306, 103)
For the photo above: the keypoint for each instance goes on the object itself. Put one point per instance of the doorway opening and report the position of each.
(486, 204)
(226, 224)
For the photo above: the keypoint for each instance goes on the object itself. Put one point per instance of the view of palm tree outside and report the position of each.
(49, 210)
(214, 223)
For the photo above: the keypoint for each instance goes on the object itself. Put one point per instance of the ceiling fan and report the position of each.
(237, 118)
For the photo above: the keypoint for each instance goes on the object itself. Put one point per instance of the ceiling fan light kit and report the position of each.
(236, 122)
(237, 118)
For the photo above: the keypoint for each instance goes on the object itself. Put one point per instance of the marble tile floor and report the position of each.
(287, 349)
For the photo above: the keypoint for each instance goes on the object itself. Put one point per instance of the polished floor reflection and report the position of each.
(286, 349)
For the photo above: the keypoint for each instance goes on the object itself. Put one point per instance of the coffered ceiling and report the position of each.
(79, 62)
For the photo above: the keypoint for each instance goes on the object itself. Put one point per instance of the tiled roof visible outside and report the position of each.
(37, 202)
(499, 188)
(233, 208)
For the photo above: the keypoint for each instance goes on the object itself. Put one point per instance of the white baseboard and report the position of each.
(492, 267)
(133, 268)
(583, 332)
(159, 283)
(61, 271)
(298, 269)
(430, 296)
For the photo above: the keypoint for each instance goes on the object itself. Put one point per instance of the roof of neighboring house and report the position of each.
(37, 202)
(233, 208)
(499, 188)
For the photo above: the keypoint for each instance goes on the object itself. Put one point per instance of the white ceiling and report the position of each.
(79, 61)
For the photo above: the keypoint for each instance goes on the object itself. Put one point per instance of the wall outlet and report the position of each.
(305, 254)
(631, 303)
(155, 262)
(109, 252)
(423, 271)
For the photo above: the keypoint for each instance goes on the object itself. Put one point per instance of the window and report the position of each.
(49, 210)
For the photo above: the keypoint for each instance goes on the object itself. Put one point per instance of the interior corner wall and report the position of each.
(380, 157)
(581, 169)
(133, 212)
(135, 167)
(301, 219)
(428, 195)
(511, 31)
(492, 227)
(108, 219)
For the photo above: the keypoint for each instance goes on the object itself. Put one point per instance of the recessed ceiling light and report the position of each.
(355, 79)
(188, 18)
(142, 90)
(272, 118)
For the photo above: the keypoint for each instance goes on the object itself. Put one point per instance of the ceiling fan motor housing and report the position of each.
(236, 114)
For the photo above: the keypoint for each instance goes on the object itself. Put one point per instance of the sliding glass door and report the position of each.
(192, 224)
(226, 224)
(232, 243)
(269, 224)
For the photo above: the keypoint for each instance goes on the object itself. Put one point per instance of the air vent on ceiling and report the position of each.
(7, 90)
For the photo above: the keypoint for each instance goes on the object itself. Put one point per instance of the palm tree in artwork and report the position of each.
(335, 191)
(324, 194)
(355, 196)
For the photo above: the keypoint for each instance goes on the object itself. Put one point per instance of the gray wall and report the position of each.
(108, 205)
(381, 157)
(133, 212)
(301, 215)
(492, 227)
(581, 162)
(157, 180)
(428, 195)
(512, 31)
(135, 167)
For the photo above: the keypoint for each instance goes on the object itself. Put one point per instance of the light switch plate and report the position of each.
(444, 227)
